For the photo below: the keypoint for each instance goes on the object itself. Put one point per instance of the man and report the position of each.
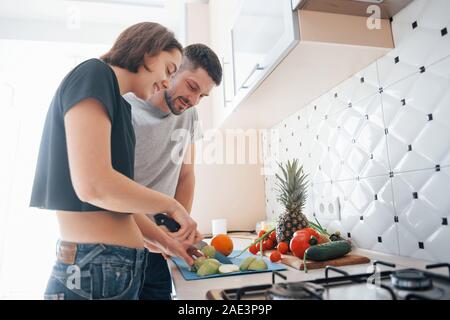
(166, 128)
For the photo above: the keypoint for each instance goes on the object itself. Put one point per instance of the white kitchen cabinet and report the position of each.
(296, 3)
(221, 19)
(228, 73)
(263, 33)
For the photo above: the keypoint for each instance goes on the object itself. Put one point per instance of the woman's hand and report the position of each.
(198, 237)
(157, 248)
(188, 232)
(154, 248)
(174, 248)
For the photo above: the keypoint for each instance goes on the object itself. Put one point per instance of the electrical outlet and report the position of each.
(329, 209)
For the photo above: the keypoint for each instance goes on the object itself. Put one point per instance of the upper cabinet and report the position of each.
(278, 55)
(363, 8)
(296, 3)
(263, 33)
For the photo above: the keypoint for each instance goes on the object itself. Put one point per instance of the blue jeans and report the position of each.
(157, 283)
(97, 271)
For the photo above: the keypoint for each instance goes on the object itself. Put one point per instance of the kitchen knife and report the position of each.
(162, 219)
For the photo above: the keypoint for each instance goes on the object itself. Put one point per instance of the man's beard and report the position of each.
(170, 103)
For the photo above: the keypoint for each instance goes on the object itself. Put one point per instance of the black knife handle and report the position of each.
(162, 219)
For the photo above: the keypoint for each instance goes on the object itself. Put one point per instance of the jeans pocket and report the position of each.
(68, 282)
(118, 279)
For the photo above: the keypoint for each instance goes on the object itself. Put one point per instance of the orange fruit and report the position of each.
(223, 244)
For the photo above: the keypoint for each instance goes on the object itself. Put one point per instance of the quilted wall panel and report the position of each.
(378, 144)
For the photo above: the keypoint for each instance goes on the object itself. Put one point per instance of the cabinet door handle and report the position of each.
(256, 67)
(225, 101)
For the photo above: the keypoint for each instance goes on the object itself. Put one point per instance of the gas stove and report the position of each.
(395, 284)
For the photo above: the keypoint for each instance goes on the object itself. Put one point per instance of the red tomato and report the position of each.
(273, 236)
(299, 244)
(261, 233)
(275, 256)
(254, 249)
(309, 231)
(283, 247)
(268, 244)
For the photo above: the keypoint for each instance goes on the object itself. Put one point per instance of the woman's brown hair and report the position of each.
(142, 38)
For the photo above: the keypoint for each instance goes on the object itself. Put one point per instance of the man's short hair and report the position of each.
(201, 56)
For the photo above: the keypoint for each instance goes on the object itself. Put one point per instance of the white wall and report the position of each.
(392, 184)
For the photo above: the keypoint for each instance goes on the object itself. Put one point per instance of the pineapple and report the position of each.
(292, 188)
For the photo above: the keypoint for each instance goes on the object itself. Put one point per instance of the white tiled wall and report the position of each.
(380, 142)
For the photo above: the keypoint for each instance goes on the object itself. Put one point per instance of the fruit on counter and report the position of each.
(208, 268)
(275, 256)
(228, 268)
(257, 243)
(223, 244)
(258, 265)
(268, 239)
(209, 251)
(324, 235)
(310, 231)
(299, 244)
(254, 249)
(210, 260)
(268, 244)
(292, 186)
(273, 237)
(246, 263)
(198, 263)
(328, 251)
(283, 247)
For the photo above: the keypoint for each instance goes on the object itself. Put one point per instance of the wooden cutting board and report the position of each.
(297, 263)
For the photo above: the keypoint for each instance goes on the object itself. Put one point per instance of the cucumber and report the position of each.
(328, 251)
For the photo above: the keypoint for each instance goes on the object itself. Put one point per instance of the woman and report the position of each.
(85, 171)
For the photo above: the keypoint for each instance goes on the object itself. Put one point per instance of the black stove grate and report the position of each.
(381, 279)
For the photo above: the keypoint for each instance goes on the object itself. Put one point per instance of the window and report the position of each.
(30, 72)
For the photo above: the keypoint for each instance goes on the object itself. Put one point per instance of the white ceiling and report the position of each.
(92, 21)
(104, 11)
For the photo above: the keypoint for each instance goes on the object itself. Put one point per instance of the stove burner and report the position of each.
(410, 279)
(296, 291)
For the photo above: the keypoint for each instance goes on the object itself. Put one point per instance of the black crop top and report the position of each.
(52, 187)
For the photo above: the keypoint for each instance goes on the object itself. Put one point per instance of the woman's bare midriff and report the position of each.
(100, 227)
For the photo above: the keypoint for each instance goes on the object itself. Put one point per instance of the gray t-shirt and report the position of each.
(161, 143)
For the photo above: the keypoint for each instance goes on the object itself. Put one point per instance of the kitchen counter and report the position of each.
(196, 290)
